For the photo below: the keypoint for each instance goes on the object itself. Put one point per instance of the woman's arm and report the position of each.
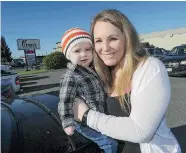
(148, 109)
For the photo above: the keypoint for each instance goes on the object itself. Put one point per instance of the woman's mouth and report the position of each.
(109, 55)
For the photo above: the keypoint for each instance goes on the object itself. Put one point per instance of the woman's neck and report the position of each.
(117, 69)
(115, 72)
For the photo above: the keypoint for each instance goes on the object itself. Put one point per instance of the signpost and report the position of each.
(30, 57)
(29, 46)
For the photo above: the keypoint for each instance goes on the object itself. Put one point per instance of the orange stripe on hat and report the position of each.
(69, 31)
(71, 36)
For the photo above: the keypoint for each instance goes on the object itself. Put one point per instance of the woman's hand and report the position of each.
(79, 108)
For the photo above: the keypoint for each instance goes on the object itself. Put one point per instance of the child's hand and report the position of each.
(69, 130)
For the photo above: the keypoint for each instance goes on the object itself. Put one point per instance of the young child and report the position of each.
(80, 80)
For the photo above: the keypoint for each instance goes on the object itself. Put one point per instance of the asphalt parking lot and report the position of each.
(48, 83)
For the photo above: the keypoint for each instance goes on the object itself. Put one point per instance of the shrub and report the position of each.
(55, 60)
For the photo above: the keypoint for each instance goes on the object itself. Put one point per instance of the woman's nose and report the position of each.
(105, 47)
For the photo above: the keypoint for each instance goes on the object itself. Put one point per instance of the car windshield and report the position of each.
(150, 51)
(154, 51)
(158, 52)
(5, 73)
(179, 51)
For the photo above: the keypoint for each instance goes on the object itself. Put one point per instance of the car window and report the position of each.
(158, 52)
(5, 67)
(5, 73)
(151, 51)
(182, 51)
(173, 51)
(164, 51)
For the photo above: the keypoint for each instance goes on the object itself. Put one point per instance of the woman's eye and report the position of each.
(97, 41)
(113, 39)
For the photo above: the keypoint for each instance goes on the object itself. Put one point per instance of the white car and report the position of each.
(11, 76)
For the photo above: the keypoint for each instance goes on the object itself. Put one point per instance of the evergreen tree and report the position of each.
(5, 51)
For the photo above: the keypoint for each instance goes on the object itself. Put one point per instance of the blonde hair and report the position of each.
(134, 53)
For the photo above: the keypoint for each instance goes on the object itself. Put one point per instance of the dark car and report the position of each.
(155, 52)
(19, 64)
(164, 51)
(32, 125)
(175, 62)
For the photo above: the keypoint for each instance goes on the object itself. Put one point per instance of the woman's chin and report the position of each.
(110, 62)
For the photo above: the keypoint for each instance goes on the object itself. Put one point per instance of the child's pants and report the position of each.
(106, 143)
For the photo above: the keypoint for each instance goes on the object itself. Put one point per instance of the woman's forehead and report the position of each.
(106, 29)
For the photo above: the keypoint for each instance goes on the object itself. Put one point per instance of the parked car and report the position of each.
(6, 67)
(13, 77)
(175, 62)
(164, 51)
(19, 64)
(156, 52)
(32, 125)
(179, 50)
(7, 92)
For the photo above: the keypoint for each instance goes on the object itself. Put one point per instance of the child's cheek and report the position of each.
(75, 59)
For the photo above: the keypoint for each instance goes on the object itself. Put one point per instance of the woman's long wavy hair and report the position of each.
(134, 54)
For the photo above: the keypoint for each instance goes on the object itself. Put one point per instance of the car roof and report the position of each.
(181, 46)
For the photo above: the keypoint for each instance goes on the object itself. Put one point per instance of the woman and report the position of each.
(137, 85)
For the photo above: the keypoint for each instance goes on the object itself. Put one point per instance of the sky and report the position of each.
(47, 20)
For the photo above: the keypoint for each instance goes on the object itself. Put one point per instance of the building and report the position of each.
(39, 59)
(163, 39)
(21, 59)
(166, 39)
(58, 47)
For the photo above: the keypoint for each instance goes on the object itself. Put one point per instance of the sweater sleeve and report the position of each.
(66, 98)
(149, 106)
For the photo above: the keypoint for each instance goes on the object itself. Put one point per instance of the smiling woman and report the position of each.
(109, 43)
(137, 86)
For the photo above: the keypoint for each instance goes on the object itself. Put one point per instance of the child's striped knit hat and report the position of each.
(72, 37)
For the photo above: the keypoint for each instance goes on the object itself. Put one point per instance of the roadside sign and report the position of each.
(29, 46)
(29, 52)
(30, 57)
(24, 44)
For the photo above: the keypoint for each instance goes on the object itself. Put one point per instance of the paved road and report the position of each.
(176, 114)
(49, 83)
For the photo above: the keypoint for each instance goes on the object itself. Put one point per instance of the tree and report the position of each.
(55, 60)
(148, 45)
(5, 51)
